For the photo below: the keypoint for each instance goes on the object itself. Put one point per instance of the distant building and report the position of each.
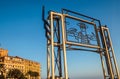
(3, 52)
(27, 67)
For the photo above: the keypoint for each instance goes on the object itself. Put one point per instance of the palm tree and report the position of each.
(15, 73)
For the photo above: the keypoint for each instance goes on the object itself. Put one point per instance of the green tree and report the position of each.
(36, 74)
(1, 71)
(33, 74)
(15, 73)
(1, 75)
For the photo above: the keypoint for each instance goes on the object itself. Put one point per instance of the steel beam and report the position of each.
(112, 50)
(64, 48)
(48, 61)
(83, 45)
(75, 18)
(52, 45)
(108, 63)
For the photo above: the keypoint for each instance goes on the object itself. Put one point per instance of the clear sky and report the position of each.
(23, 34)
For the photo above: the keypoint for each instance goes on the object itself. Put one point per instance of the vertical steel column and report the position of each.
(52, 45)
(101, 55)
(109, 66)
(48, 60)
(59, 50)
(113, 55)
(64, 47)
(102, 62)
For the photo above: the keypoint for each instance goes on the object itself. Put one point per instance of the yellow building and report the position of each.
(29, 68)
(3, 52)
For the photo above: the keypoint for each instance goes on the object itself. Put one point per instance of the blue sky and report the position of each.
(23, 34)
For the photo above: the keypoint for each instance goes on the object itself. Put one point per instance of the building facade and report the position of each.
(29, 68)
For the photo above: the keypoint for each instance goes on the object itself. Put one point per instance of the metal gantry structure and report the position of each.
(70, 30)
